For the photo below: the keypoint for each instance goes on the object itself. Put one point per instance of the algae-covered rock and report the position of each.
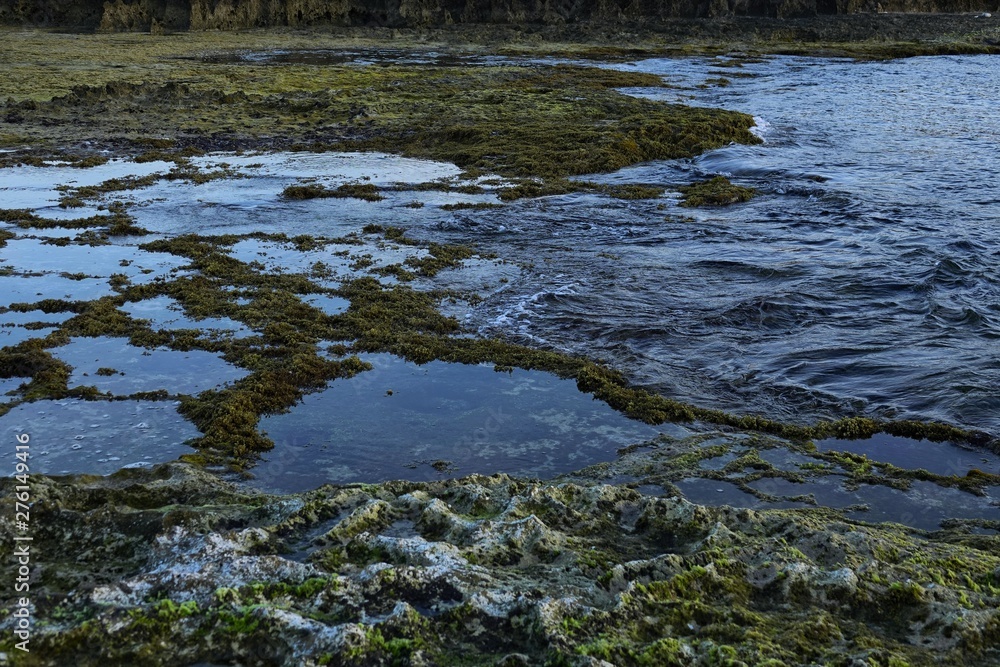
(716, 191)
(482, 571)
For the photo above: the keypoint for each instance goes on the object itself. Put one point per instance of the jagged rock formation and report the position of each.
(143, 15)
(170, 566)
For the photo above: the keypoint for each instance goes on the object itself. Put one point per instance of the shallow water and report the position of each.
(863, 280)
(35, 187)
(916, 454)
(924, 505)
(163, 312)
(34, 256)
(97, 437)
(397, 420)
(129, 369)
(253, 203)
(34, 288)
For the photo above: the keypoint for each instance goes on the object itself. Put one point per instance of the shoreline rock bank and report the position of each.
(172, 566)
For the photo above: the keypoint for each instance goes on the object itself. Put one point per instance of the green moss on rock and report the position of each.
(172, 556)
(717, 191)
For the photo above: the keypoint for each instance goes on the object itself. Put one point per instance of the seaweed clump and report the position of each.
(537, 122)
(365, 191)
(716, 191)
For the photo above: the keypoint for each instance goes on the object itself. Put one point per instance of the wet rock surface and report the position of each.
(171, 566)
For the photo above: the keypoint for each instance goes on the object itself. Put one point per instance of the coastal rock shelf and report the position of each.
(533, 356)
(490, 570)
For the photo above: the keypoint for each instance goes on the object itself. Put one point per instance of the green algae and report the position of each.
(633, 191)
(117, 222)
(467, 206)
(74, 196)
(716, 191)
(543, 122)
(29, 359)
(717, 82)
(365, 191)
(679, 584)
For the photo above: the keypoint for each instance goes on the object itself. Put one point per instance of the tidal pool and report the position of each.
(936, 457)
(14, 335)
(34, 288)
(18, 318)
(32, 255)
(97, 437)
(404, 421)
(35, 187)
(128, 369)
(164, 312)
(8, 386)
(253, 202)
(717, 492)
(329, 304)
(924, 505)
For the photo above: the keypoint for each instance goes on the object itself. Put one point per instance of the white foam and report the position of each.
(761, 128)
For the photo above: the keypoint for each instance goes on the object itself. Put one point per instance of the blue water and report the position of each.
(863, 280)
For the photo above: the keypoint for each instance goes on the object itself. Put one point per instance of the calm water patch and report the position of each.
(19, 318)
(31, 289)
(716, 492)
(164, 312)
(938, 458)
(254, 203)
(784, 459)
(9, 386)
(329, 304)
(98, 437)
(134, 369)
(395, 421)
(275, 257)
(924, 505)
(32, 255)
(718, 462)
(35, 187)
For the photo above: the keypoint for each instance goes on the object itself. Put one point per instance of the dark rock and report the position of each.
(170, 15)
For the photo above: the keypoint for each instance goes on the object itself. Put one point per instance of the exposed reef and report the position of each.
(518, 121)
(184, 564)
(173, 567)
(716, 191)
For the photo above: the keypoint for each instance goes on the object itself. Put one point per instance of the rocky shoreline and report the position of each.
(182, 564)
(172, 566)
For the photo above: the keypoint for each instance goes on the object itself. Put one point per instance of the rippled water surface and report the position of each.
(863, 280)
